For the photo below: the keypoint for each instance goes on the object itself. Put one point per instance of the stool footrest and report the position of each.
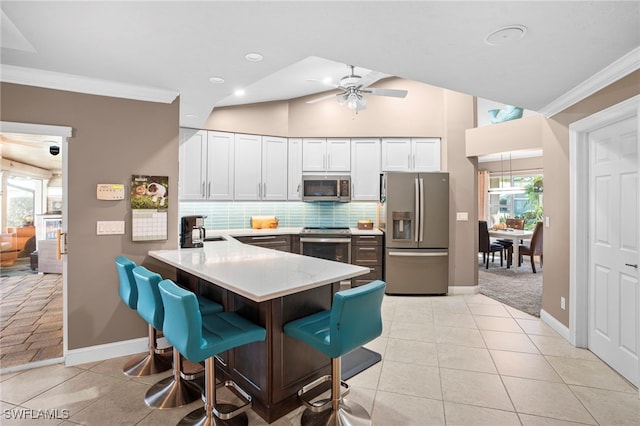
(317, 407)
(244, 396)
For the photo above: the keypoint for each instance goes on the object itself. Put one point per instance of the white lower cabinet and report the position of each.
(365, 169)
(260, 165)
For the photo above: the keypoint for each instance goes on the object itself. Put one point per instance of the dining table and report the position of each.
(516, 235)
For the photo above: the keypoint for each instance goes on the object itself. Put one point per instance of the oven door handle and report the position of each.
(325, 240)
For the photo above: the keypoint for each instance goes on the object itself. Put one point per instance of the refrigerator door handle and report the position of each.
(417, 209)
(416, 254)
(421, 209)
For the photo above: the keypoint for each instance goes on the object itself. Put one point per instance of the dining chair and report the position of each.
(485, 246)
(534, 248)
(507, 243)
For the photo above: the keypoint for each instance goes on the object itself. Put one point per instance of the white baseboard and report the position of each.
(560, 328)
(455, 290)
(36, 364)
(109, 350)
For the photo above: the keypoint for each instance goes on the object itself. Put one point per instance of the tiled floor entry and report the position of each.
(30, 318)
(456, 360)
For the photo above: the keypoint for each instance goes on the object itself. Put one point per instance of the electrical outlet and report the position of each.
(462, 216)
(546, 221)
(562, 303)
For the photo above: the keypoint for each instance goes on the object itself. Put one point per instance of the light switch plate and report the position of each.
(110, 227)
(462, 216)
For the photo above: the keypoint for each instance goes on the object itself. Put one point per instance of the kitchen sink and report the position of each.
(218, 238)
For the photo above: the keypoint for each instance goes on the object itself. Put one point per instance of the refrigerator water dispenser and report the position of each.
(402, 222)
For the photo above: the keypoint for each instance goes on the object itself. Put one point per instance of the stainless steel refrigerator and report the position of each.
(414, 215)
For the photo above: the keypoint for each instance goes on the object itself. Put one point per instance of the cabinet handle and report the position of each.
(414, 161)
(267, 237)
(366, 248)
(298, 189)
(203, 193)
(409, 161)
(328, 161)
(264, 193)
(635, 265)
(209, 190)
(259, 190)
(363, 237)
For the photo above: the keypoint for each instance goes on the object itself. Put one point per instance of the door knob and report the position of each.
(633, 265)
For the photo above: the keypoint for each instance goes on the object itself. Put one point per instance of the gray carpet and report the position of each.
(521, 290)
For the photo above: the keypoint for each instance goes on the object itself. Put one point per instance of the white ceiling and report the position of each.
(178, 45)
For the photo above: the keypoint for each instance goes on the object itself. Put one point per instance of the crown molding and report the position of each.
(612, 73)
(80, 84)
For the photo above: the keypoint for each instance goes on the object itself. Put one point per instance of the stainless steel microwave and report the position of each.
(326, 188)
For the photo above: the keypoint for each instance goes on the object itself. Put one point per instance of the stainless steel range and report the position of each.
(326, 243)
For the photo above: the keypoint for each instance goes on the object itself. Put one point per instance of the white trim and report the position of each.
(35, 364)
(455, 290)
(557, 326)
(36, 129)
(578, 213)
(80, 84)
(106, 351)
(612, 73)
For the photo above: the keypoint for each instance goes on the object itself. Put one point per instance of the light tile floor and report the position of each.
(457, 360)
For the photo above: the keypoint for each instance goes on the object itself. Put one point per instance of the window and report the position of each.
(515, 196)
(20, 201)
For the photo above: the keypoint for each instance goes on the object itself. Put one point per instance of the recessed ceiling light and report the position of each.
(506, 35)
(239, 92)
(253, 57)
(216, 80)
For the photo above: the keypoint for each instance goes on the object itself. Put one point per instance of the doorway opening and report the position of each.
(32, 209)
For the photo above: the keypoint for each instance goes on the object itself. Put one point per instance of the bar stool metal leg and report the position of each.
(154, 362)
(217, 414)
(341, 411)
(172, 391)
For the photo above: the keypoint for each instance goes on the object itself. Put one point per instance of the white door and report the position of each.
(193, 164)
(338, 155)
(314, 154)
(295, 168)
(614, 239)
(396, 155)
(426, 154)
(247, 167)
(220, 155)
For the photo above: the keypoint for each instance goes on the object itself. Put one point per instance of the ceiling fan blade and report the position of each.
(323, 98)
(387, 92)
(369, 79)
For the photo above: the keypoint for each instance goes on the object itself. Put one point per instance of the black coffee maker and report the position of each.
(192, 232)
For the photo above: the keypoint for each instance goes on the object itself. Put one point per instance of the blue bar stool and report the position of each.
(354, 319)
(156, 361)
(178, 389)
(201, 337)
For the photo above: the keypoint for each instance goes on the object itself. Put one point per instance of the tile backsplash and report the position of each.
(235, 215)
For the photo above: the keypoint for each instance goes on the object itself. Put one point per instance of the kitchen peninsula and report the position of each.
(270, 288)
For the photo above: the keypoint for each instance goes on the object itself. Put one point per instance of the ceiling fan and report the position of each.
(354, 88)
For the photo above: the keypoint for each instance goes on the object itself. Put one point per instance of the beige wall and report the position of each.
(556, 189)
(419, 114)
(267, 118)
(463, 236)
(514, 135)
(515, 165)
(112, 139)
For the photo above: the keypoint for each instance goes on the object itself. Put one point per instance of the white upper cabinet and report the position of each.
(274, 168)
(205, 165)
(326, 155)
(260, 168)
(365, 169)
(295, 169)
(220, 153)
(410, 154)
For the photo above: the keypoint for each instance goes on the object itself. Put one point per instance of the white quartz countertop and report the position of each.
(256, 273)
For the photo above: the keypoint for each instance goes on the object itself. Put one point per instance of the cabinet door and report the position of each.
(295, 168)
(365, 169)
(426, 154)
(274, 168)
(248, 162)
(192, 164)
(396, 155)
(219, 185)
(314, 154)
(338, 155)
